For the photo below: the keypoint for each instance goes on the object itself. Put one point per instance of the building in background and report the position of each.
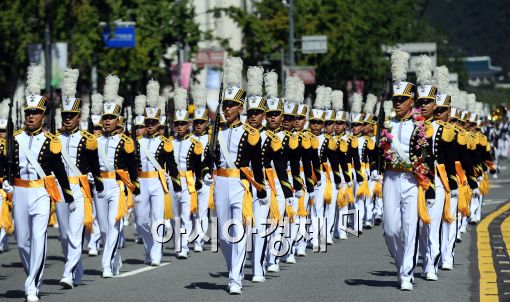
(481, 72)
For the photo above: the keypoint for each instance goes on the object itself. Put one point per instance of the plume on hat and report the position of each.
(85, 111)
(162, 99)
(140, 104)
(233, 71)
(399, 65)
(271, 84)
(255, 76)
(180, 96)
(199, 95)
(337, 99)
(462, 101)
(152, 93)
(291, 88)
(97, 103)
(321, 95)
(111, 88)
(300, 91)
(4, 108)
(69, 82)
(370, 103)
(441, 79)
(471, 102)
(58, 118)
(479, 109)
(357, 100)
(424, 70)
(388, 108)
(35, 79)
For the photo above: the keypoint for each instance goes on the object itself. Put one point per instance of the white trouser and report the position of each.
(370, 203)
(106, 210)
(150, 210)
(201, 219)
(302, 227)
(31, 215)
(280, 234)
(260, 240)
(228, 197)
(359, 206)
(449, 235)
(4, 238)
(95, 235)
(317, 212)
(476, 207)
(181, 204)
(400, 208)
(378, 208)
(330, 210)
(341, 217)
(430, 234)
(71, 233)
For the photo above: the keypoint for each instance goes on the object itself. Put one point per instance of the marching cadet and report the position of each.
(118, 165)
(361, 188)
(473, 140)
(153, 205)
(188, 156)
(201, 133)
(373, 201)
(95, 233)
(36, 156)
(326, 193)
(309, 162)
(280, 163)
(80, 157)
(293, 150)
(344, 144)
(405, 176)
(6, 224)
(443, 134)
(239, 148)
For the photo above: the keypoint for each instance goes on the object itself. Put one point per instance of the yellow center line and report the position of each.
(505, 231)
(488, 277)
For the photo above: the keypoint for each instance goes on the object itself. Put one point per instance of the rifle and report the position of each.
(133, 132)
(380, 124)
(167, 115)
(216, 128)
(18, 115)
(10, 143)
(90, 124)
(53, 126)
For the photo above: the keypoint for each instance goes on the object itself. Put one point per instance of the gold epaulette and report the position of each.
(448, 132)
(91, 143)
(429, 130)
(344, 145)
(168, 144)
(306, 141)
(461, 137)
(276, 142)
(315, 140)
(129, 144)
(482, 139)
(354, 141)
(253, 134)
(55, 146)
(17, 132)
(3, 143)
(332, 144)
(293, 139)
(198, 149)
(370, 143)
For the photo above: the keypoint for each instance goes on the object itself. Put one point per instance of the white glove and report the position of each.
(318, 184)
(7, 187)
(289, 201)
(298, 194)
(349, 184)
(263, 201)
(476, 193)
(90, 177)
(480, 178)
(431, 202)
(208, 180)
(138, 199)
(167, 177)
(178, 195)
(72, 206)
(454, 194)
(375, 176)
(338, 186)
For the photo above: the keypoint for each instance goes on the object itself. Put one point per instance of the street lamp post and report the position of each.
(291, 33)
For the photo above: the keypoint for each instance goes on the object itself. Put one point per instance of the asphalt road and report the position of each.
(358, 269)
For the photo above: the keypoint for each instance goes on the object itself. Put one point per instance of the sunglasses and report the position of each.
(289, 118)
(109, 117)
(178, 124)
(151, 122)
(273, 114)
(300, 118)
(399, 99)
(199, 122)
(340, 123)
(69, 115)
(423, 102)
(316, 122)
(229, 104)
(254, 112)
(440, 110)
(356, 124)
(33, 112)
(329, 123)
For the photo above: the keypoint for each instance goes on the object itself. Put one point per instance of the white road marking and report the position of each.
(140, 270)
(493, 201)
